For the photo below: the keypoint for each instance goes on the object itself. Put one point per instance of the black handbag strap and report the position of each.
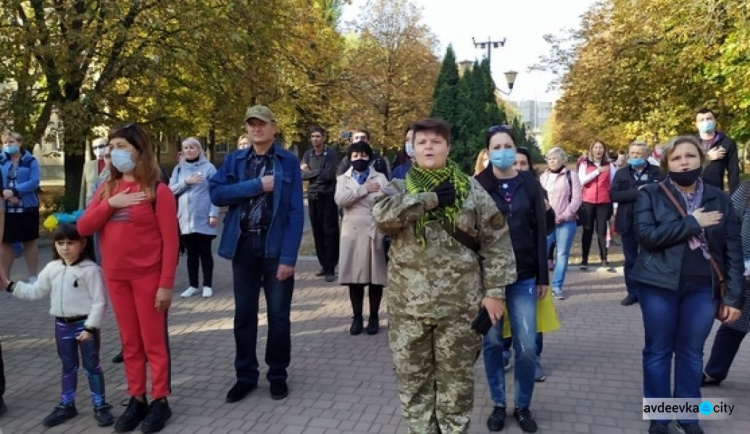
(681, 210)
(462, 237)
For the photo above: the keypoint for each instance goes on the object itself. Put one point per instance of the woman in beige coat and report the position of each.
(362, 258)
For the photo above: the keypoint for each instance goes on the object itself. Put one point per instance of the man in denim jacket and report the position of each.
(262, 186)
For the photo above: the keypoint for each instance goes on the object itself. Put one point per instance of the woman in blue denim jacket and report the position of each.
(20, 172)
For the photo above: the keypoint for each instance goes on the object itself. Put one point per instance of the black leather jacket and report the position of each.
(663, 237)
(624, 191)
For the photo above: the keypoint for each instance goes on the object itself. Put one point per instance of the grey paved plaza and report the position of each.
(341, 383)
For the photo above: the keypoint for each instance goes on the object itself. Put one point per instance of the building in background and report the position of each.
(534, 114)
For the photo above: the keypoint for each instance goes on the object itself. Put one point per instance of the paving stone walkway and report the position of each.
(345, 384)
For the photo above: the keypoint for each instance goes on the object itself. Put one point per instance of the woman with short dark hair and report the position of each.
(362, 259)
(442, 222)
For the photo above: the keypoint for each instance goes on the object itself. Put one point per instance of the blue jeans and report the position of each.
(676, 324)
(521, 300)
(508, 343)
(563, 238)
(68, 346)
(630, 250)
(251, 270)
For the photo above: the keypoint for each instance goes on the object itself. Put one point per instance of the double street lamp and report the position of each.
(510, 76)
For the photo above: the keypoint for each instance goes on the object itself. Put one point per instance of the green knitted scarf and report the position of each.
(420, 180)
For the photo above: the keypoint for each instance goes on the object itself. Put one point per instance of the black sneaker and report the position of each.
(525, 419)
(132, 416)
(658, 428)
(629, 300)
(118, 358)
(496, 421)
(157, 416)
(330, 277)
(357, 326)
(239, 391)
(103, 415)
(709, 381)
(373, 325)
(279, 389)
(3, 407)
(61, 414)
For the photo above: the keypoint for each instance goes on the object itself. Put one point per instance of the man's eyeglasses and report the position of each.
(100, 146)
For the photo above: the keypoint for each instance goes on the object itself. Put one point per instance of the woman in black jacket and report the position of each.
(676, 286)
(519, 197)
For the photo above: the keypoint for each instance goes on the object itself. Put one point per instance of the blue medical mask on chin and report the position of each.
(707, 126)
(503, 159)
(122, 160)
(11, 149)
(636, 162)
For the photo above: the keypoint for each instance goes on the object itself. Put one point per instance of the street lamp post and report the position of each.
(510, 76)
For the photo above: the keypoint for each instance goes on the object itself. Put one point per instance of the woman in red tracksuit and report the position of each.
(135, 216)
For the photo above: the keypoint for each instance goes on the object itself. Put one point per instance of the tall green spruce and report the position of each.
(469, 105)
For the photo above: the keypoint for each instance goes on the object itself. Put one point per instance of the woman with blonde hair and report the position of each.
(483, 160)
(689, 270)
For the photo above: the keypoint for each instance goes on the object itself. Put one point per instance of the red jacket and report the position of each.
(595, 186)
(137, 240)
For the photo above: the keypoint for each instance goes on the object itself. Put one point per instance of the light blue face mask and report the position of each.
(636, 162)
(11, 149)
(503, 159)
(122, 160)
(707, 126)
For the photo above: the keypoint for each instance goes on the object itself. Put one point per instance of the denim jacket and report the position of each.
(27, 178)
(231, 187)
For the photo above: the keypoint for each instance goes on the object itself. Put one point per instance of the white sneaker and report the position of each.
(191, 291)
(207, 292)
(32, 280)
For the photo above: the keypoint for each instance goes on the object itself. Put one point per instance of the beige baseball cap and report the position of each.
(260, 112)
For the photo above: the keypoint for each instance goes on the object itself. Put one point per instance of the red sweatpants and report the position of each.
(144, 334)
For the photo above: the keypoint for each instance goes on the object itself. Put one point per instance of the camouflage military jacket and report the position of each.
(442, 277)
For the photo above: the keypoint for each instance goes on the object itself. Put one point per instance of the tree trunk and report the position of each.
(73, 164)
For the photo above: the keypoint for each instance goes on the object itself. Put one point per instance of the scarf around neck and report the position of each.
(420, 180)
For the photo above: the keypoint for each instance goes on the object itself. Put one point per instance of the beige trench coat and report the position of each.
(361, 254)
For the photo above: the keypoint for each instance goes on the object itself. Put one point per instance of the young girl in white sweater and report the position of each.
(77, 294)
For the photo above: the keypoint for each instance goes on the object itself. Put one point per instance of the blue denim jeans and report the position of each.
(676, 325)
(68, 347)
(562, 237)
(630, 250)
(251, 271)
(521, 300)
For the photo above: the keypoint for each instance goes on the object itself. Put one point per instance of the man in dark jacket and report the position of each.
(319, 167)
(720, 150)
(624, 190)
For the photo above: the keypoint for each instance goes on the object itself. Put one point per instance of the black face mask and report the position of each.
(685, 179)
(360, 165)
(558, 170)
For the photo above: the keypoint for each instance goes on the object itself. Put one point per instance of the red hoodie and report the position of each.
(132, 241)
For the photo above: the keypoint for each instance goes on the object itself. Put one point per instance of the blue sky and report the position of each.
(522, 23)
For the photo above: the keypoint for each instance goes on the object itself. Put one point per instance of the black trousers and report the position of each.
(324, 219)
(726, 345)
(198, 248)
(2, 373)
(597, 216)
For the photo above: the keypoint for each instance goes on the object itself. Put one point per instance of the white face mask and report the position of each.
(99, 153)
(409, 147)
